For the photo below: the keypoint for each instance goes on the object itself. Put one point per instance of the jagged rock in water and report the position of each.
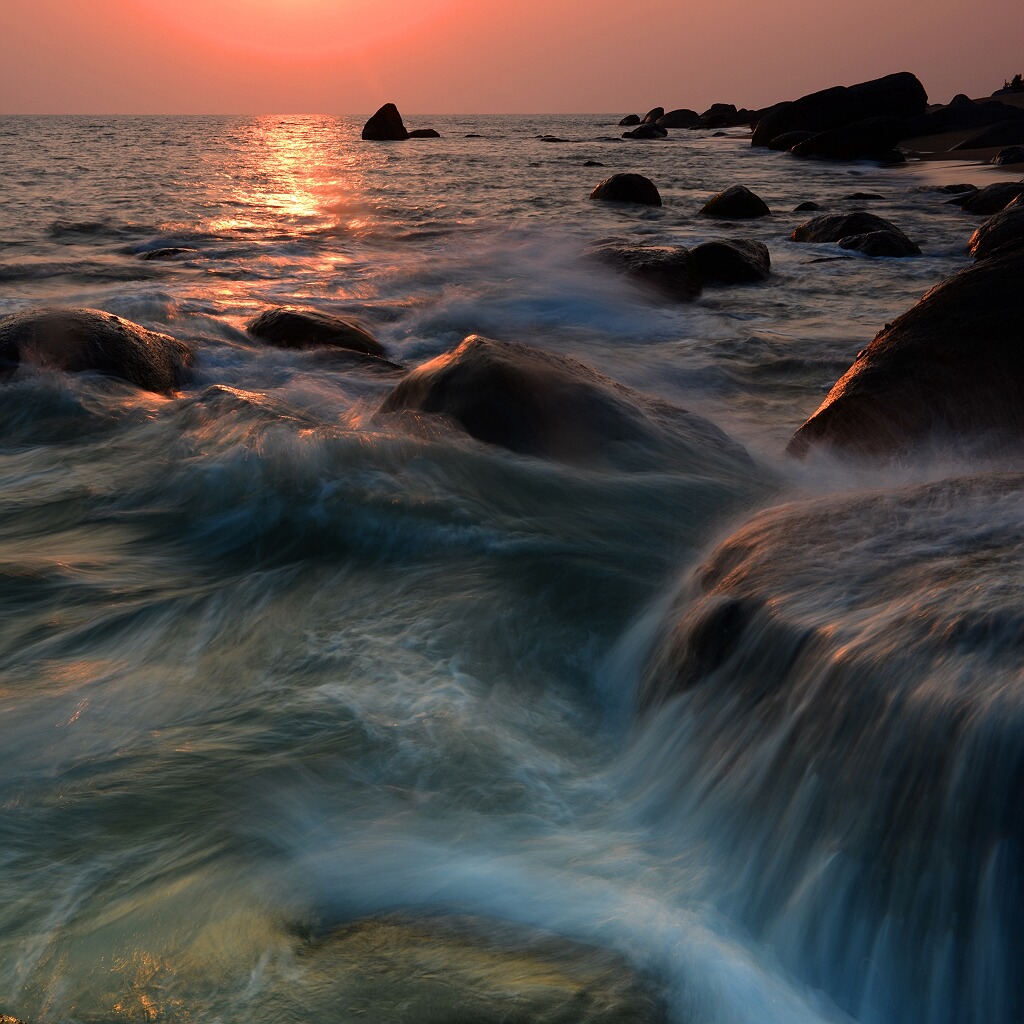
(668, 270)
(732, 261)
(385, 126)
(288, 327)
(951, 370)
(736, 203)
(78, 340)
(628, 188)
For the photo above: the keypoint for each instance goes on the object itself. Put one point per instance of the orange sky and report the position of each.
(475, 56)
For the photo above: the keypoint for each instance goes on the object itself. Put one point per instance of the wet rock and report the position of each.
(288, 327)
(681, 118)
(463, 970)
(990, 199)
(592, 163)
(831, 227)
(628, 188)
(646, 131)
(787, 140)
(962, 114)
(732, 261)
(870, 139)
(1001, 232)
(855, 197)
(536, 403)
(81, 340)
(385, 126)
(900, 95)
(668, 270)
(629, 120)
(168, 252)
(808, 206)
(951, 368)
(957, 189)
(1010, 155)
(652, 115)
(881, 243)
(1004, 133)
(736, 203)
(424, 133)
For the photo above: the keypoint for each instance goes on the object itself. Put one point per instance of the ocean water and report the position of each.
(271, 664)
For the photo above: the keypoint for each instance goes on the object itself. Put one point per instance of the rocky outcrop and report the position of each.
(735, 203)
(871, 139)
(627, 188)
(833, 227)
(900, 95)
(1000, 233)
(881, 243)
(651, 117)
(990, 199)
(666, 270)
(646, 131)
(424, 133)
(787, 140)
(82, 340)
(1003, 133)
(629, 120)
(732, 261)
(962, 114)
(951, 368)
(387, 126)
(288, 327)
(681, 118)
(1010, 155)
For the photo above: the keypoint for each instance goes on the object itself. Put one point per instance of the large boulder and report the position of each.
(951, 368)
(881, 243)
(385, 126)
(629, 120)
(735, 203)
(870, 139)
(1009, 155)
(80, 340)
(287, 327)
(900, 95)
(646, 131)
(1003, 133)
(681, 118)
(990, 199)
(536, 403)
(628, 188)
(652, 115)
(832, 227)
(666, 270)
(1002, 231)
(962, 114)
(424, 133)
(785, 142)
(732, 261)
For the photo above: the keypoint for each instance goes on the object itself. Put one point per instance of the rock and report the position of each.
(735, 203)
(78, 340)
(628, 188)
(952, 367)
(539, 404)
(646, 131)
(881, 243)
(551, 138)
(424, 133)
(1010, 155)
(990, 199)
(807, 206)
(831, 227)
(787, 140)
(1003, 133)
(652, 115)
(857, 197)
(288, 327)
(870, 139)
(592, 163)
(440, 969)
(169, 252)
(732, 261)
(681, 118)
(960, 115)
(900, 95)
(950, 189)
(629, 120)
(385, 126)
(999, 233)
(667, 270)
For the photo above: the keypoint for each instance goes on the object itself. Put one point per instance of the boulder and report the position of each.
(385, 126)
(78, 340)
(807, 206)
(990, 199)
(539, 404)
(1010, 155)
(952, 190)
(999, 233)
(831, 227)
(627, 188)
(668, 270)
(870, 139)
(787, 140)
(900, 95)
(881, 243)
(681, 118)
(288, 327)
(950, 367)
(629, 120)
(646, 131)
(424, 133)
(735, 203)
(960, 115)
(732, 261)
(652, 115)
(1003, 133)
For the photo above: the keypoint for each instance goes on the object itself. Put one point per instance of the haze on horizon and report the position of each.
(459, 56)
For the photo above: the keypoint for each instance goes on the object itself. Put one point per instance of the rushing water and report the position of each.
(272, 663)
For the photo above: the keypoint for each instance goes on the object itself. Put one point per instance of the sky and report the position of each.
(479, 56)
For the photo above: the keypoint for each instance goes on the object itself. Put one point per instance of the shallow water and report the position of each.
(271, 663)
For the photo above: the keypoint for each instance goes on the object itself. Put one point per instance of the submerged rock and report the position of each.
(536, 403)
(949, 369)
(735, 203)
(628, 188)
(424, 133)
(668, 270)
(167, 252)
(732, 261)
(287, 327)
(79, 340)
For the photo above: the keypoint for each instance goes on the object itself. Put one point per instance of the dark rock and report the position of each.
(719, 110)
(807, 206)
(473, 135)
(1010, 155)
(952, 366)
(551, 138)
(990, 199)
(286, 327)
(999, 233)
(628, 188)
(424, 133)
(385, 126)
(646, 131)
(82, 340)
(629, 120)
(831, 227)
(1003, 133)
(881, 243)
(652, 115)
(870, 139)
(169, 252)
(787, 140)
(732, 261)
(667, 270)
(960, 115)
(681, 118)
(855, 197)
(593, 163)
(949, 189)
(719, 135)
(735, 203)
(540, 404)
(900, 95)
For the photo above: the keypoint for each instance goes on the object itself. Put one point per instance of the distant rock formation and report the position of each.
(387, 126)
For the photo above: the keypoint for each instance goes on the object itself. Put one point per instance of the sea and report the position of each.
(274, 665)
